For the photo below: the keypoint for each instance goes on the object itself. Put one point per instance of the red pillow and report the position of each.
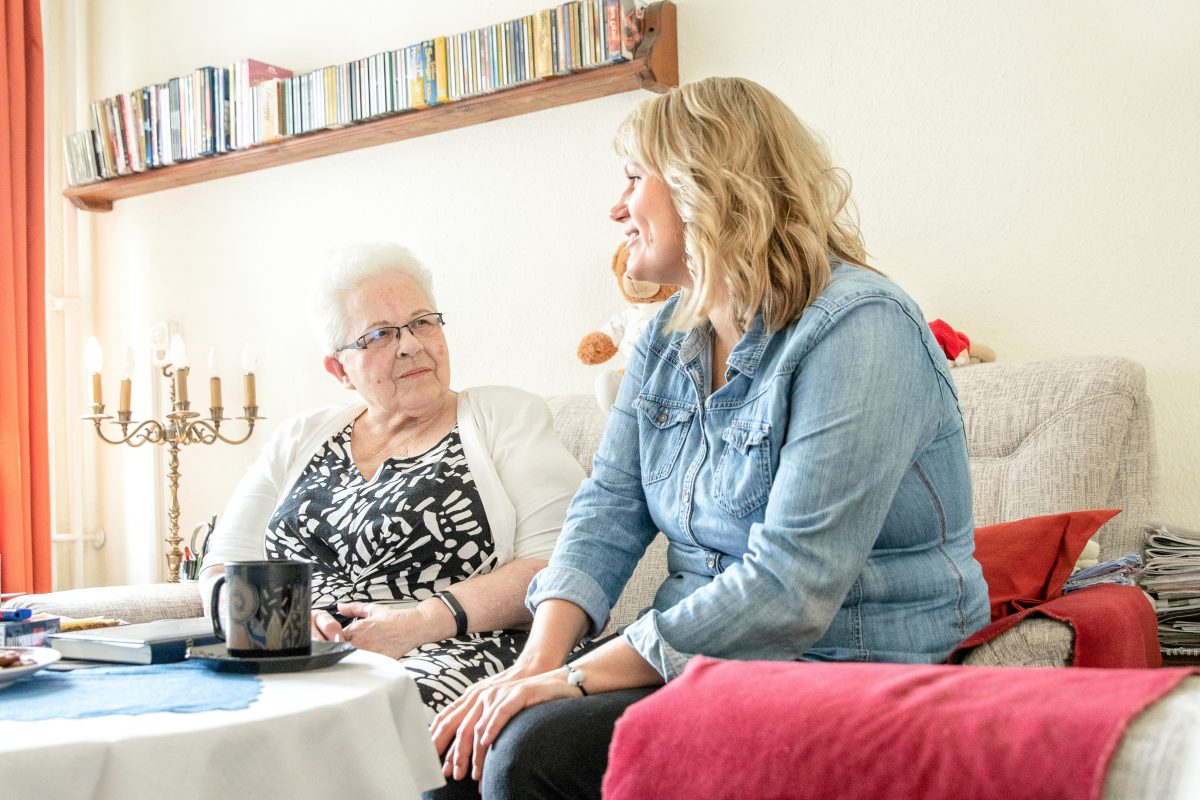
(1026, 562)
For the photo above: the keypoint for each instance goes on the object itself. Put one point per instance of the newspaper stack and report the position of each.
(1172, 576)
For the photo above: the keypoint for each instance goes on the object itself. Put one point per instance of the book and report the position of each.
(116, 130)
(250, 73)
(131, 129)
(106, 161)
(622, 29)
(543, 52)
(173, 113)
(30, 632)
(159, 642)
(166, 153)
(440, 86)
(80, 158)
(416, 75)
(268, 109)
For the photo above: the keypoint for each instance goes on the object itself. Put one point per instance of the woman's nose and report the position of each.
(619, 212)
(407, 344)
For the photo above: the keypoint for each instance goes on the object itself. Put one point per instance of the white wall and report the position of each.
(1029, 171)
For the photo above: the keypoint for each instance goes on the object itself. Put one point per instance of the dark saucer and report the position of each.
(324, 654)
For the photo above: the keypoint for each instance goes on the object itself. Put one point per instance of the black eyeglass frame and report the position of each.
(361, 342)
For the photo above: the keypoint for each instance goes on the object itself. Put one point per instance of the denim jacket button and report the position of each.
(662, 418)
(712, 561)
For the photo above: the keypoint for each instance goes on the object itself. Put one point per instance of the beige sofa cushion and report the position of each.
(139, 603)
(1067, 434)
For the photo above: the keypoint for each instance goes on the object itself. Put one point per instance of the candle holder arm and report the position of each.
(147, 431)
(204, 431)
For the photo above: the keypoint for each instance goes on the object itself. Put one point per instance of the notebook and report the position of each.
(158, 642)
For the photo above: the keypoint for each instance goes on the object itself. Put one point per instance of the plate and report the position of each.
(42, 656)
(324, 654)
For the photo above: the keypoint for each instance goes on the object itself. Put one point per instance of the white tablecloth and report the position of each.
(355, 730)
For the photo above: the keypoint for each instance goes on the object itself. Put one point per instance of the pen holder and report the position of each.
(195, 551)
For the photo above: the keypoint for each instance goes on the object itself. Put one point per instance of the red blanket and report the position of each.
(758, 729)
(1114, 626)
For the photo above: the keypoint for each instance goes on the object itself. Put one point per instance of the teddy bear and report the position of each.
(959, 350)
(619, 335)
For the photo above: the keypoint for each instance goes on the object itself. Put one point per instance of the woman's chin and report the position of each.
(417, 392)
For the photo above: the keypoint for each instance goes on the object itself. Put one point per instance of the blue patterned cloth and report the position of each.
(183, 687)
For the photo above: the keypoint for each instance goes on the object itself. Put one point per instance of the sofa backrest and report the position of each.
(1043, 437)
(1065, 434)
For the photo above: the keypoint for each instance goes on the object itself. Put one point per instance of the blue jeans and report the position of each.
(553, 750)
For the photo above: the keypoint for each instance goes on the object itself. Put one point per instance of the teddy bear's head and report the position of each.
(638, 291)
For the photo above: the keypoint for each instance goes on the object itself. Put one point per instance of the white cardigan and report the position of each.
(524, 475)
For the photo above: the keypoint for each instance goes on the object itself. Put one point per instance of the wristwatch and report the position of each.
(575, 678)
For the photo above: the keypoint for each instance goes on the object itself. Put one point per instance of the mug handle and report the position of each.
(216, 608)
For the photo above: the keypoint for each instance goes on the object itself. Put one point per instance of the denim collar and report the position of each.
(746, 354)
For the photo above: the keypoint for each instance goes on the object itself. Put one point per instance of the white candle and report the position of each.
(179, 361)
(93, 359)
(126, 379)
(249, 362)
(214, 381)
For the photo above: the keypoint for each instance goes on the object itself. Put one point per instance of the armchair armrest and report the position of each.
(1104, 626)
(137, 603)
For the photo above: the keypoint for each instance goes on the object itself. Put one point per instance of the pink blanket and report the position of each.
(729, 729)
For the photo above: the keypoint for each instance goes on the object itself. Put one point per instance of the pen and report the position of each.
(15, 614)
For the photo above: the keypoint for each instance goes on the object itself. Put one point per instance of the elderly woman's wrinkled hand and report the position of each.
(466, 728)
(384, 629)
(325, 627)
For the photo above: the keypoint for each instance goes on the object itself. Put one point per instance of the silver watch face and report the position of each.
(574, 677)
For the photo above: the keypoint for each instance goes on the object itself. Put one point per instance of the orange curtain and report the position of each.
(24, 446)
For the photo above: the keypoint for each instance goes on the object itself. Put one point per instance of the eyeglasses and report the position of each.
(425, 326)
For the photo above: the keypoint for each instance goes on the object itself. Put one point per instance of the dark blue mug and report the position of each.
(268, 608)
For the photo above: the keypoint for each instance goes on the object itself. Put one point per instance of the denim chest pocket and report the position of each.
(742, 477)
(663, 425)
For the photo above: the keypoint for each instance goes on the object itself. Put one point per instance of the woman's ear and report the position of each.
(333, 366)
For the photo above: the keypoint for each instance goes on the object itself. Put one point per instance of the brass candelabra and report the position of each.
(182, 427)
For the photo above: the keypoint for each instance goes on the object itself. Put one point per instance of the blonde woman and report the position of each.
(788, 422)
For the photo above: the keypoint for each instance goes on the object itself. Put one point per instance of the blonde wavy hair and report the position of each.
(762, 204)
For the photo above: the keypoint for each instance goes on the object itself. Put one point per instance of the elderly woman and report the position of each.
(787, 421)
(424, 511)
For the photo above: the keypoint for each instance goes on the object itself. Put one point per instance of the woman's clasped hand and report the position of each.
(465, 729)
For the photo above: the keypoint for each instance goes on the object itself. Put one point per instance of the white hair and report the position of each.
(342, 271)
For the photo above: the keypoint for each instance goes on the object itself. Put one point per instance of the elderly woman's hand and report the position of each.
(385, 629)
(325, 627)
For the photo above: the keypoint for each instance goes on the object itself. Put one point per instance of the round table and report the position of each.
(356, 729)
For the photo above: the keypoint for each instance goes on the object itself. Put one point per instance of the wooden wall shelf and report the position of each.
(654, 68)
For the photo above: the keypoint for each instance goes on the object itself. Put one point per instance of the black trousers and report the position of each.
(554, 750)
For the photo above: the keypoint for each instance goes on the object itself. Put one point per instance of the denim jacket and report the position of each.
(817, 506)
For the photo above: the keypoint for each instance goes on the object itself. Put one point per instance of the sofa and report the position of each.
(1043, 438)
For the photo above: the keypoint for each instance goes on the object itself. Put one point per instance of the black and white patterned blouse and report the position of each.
(417, 526)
